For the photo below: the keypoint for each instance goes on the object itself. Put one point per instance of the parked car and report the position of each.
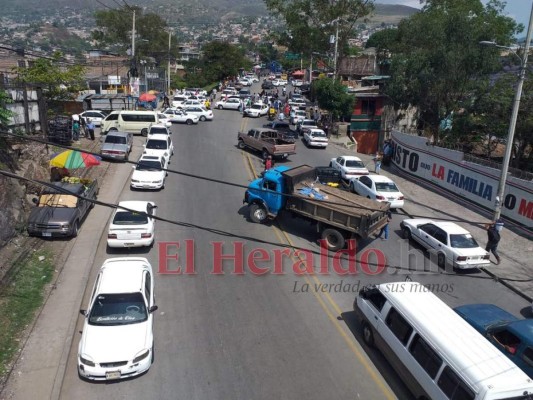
(159, 145)
(96, 116)
(379, 188)
(132, 225)
(306, 124)
(149, 173)
(164, 119)
(158, 129)
(315, 138)
(297, 116)
(267, 84)
(279, 82)
(256, 110)
(178, 100)
(453, 244)
(117, 145)
(117, 339)
(349, 166)
(191, 103)
(181, 117)
(511, 335)
(231, 103)
(201, 112)
(245, 93)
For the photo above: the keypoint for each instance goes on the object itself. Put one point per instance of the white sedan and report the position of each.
(349, 166)
(279, 82)
(231, 103)
(200, 111)
(132, 225)
(256, 110)
(379, 188)
(164, 119)
(149, 173)
(181, 117)
(117, 340)
(96, 116)
(315, 138)
(451, 243)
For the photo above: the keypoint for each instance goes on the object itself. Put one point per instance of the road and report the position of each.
(244, 336)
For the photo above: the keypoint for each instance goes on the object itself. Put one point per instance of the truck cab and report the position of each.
(263, 194)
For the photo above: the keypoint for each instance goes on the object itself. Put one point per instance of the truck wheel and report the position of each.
(258, 213)
(241, 144)
(76, 229)
(334, 239)
(368, 335)
(265, 154)
(144, 132)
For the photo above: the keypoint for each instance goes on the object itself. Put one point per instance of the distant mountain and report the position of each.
(183, 11)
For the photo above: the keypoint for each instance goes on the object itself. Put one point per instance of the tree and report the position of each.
(221, 60)
(5, 114)
(331, 96)
(311, 22)
(437, 61)
(59, 80)
(113, 32)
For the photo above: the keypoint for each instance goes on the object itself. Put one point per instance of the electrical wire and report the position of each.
(56, 188)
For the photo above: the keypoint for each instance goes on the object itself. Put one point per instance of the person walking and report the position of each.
(385, 230)
(76, 131)
(377, 162)
(90, 128)
(493, 239)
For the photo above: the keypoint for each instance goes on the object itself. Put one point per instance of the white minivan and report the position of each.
(437, 353)
(136, 122)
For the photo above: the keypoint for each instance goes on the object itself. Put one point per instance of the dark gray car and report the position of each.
(117, 145)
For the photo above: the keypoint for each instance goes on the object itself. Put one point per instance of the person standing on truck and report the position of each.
(385, 230)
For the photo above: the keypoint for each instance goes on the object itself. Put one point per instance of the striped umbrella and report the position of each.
(73, 159)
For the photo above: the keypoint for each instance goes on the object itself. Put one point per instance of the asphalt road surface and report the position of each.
(248, 336)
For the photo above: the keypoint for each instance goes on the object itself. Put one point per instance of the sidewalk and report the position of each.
(515, 250)
(39, 370)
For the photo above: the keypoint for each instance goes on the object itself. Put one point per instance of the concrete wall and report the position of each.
(477, 183)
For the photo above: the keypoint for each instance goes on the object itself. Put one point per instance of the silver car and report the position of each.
(117, 145)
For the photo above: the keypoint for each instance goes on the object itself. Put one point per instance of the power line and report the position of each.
(238, 236)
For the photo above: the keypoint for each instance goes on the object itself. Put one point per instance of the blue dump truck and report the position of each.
(511, 335)
(310, 193)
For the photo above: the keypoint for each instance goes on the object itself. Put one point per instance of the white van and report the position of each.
(437, 354)
(136, 122)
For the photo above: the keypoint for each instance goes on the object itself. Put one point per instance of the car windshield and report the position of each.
(256, 106)
(146, 165)
(115, 139)
(158, 130)
(464, 241)
(386, 187)
(319, 134)
(130, 218)
(156, 144)
(118, 309)
(354, 164)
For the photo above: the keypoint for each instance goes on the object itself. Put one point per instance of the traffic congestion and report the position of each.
(262, 273)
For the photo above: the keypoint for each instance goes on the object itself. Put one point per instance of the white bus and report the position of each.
(436, 353)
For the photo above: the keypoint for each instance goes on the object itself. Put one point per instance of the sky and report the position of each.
(520, 10)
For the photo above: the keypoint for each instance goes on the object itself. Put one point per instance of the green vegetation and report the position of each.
(331, 96)
(21, 298)
(5, 114)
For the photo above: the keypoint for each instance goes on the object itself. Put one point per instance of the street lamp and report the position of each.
(514, 115)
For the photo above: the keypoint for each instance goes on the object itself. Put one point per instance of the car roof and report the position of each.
(379, 178)
(158, 136)
(449, 227)
(136, 205)
(158, 126)
(317, 130)
(151, 157)
(117, 133)
(351, 158)
(123, 275)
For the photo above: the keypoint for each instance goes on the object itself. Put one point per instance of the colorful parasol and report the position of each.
(73, 159)
(153, 92)
(147, 97)
(298, 73)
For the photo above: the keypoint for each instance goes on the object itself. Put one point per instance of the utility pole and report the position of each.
(500, 199)
(168, 81)
(336, 49)
(133, 37)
